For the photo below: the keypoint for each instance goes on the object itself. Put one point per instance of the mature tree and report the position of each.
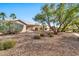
(70, 15)
(2, 15)
(63, 15)
(40, 18)
(46, 10)
(13, 16)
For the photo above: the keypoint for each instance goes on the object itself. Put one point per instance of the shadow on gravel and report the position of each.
(70, 38)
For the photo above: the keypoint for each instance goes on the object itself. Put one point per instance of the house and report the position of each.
(31, 27)
(27, 27)
(22, 23)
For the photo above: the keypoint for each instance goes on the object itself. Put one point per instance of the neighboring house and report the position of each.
(18, 22)
(28, 27)
(31, 27)
(22, 23)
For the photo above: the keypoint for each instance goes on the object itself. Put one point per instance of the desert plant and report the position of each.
(42, 34)
(36, 37)
(7, 44)
(1, 46)
(50, 34)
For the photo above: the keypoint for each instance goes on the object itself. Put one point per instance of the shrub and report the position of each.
(7, 44)
(1, 46)
(36, 37)
(10, 28)
(50, 34)
(42, 34)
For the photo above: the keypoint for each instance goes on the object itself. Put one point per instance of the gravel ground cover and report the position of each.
(63, 44)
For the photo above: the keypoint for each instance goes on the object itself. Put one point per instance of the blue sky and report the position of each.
(23, 11)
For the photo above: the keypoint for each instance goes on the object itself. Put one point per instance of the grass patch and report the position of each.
(7, 44)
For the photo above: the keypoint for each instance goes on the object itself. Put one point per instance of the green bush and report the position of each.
(10, 28)
(7, 44)
(36, 37)
(1, 46)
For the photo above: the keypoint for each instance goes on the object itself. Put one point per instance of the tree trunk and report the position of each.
(59, 28)
(52, 28)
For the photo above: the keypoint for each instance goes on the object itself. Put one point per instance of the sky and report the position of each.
(23, 11)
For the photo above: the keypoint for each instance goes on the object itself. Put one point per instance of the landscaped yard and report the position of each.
(61, 44)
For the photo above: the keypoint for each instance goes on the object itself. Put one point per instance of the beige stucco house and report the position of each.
(31, 27)
(22, 23)
(27, 27)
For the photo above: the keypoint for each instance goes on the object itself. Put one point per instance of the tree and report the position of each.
(71, 14)
(40, 18)
(60, 14)
(75, 23)
(2, 15)
(46, 10)
(13, 16)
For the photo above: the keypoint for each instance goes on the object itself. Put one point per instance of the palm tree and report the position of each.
(2, 15)
(13, 16)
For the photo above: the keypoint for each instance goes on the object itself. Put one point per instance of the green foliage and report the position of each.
(7, 44)
(13, 16)
(2, 15)
(8, 27)
(60, 15)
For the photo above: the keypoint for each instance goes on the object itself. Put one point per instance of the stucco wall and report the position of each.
(24, 26)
